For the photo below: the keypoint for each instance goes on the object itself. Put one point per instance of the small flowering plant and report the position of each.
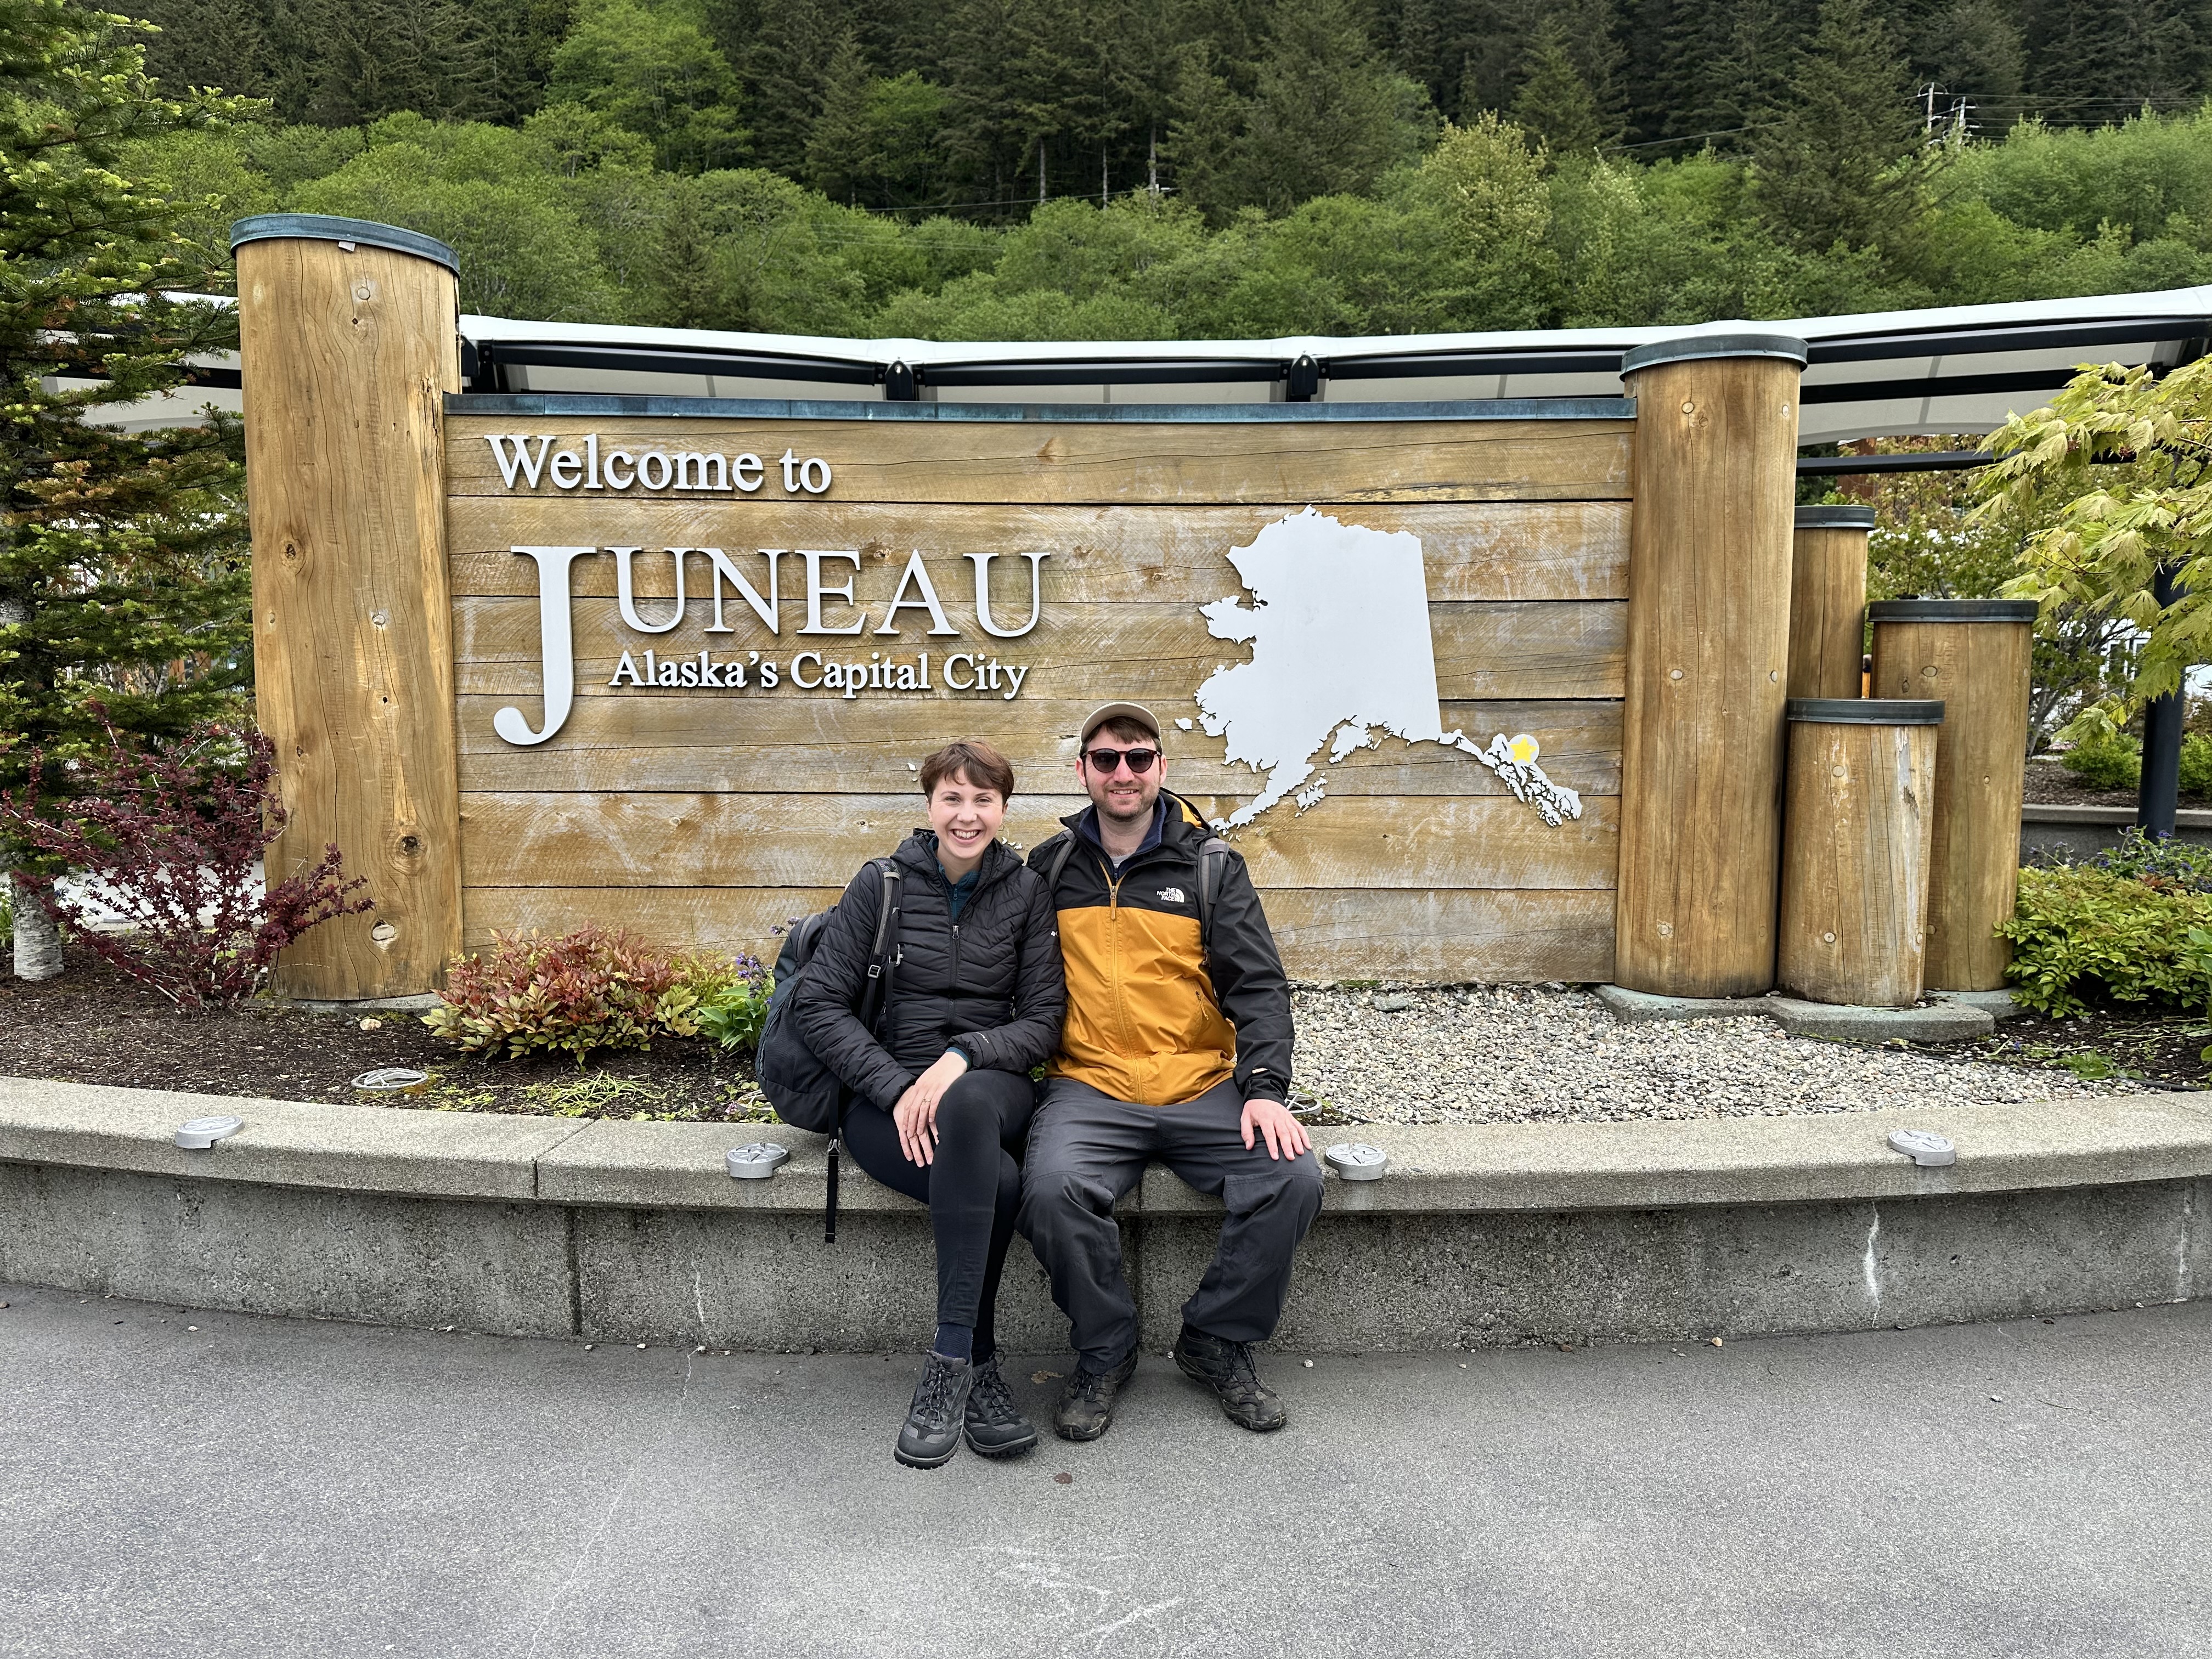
(169, 843)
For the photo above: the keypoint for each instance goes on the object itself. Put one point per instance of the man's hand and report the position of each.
(916, 1114)
(1285, 1136)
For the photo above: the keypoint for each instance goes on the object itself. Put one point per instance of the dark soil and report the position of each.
(2164, 1050)
(94, 1025)
(2050, 784)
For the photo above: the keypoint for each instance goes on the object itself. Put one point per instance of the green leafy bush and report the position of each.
(595, 988)
(2197, 765)
(733, 1000)
(2110, 762)
(2116, 763)
(2081, 933)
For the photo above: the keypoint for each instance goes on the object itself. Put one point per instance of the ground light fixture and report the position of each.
(1924, 1146)
(1355, 1160)
(197, 1134)
(393, 1080)
(755, 1161)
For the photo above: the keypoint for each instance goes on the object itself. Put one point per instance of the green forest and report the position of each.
(1124, 169)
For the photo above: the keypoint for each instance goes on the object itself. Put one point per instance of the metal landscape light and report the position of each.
(393, 1080)
(201, 1132)
(1925, 1147)
(1357, 1161)
(755, 1161)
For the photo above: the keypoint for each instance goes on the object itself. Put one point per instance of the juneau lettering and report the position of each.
(826, 580)
(597, 469)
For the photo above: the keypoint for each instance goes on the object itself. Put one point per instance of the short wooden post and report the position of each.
(349, 341)
(1827, 601)
(1975, 655)
(1709, 575)
(1855, 848)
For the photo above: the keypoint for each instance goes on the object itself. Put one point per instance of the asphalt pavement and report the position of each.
(181, 1483)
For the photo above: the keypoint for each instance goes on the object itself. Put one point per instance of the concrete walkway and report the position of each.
(261, 1487)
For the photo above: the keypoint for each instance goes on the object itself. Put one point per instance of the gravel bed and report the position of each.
(1518, 1053)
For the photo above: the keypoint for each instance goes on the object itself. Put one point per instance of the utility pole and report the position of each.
(1152, 169)
(1102, 175)
(1040, 173)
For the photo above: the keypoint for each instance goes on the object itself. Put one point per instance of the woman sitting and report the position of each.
(942, 1085)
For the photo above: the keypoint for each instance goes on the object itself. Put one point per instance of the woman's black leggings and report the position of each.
(973, 1189)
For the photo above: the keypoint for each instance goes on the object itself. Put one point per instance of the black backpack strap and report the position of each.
(1212, 858)
(1052, 872)
(875, 1005)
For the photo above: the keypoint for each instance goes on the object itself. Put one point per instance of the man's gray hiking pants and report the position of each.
(1087, 1149)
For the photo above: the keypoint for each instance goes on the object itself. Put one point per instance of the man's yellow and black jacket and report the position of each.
(1147, 1022)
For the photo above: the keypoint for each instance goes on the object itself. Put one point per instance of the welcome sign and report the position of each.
(698, 657)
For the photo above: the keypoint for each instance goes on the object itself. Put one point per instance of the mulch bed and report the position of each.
(2166, 1051)
(2050, 784)
(94, 1025)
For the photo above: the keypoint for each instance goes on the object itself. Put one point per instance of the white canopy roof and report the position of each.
(1953, 368)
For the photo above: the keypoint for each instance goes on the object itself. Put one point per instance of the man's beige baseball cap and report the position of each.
(1120, 711)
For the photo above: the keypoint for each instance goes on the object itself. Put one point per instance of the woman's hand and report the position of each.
(916, 1114)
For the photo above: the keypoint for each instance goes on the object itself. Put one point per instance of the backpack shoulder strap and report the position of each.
(1212, 858)
(874, 999)
(1059, 863)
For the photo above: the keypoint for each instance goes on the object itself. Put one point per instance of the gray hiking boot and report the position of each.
(1086, 1404)
(996, 1427)
(931, 1433)
(1227, 1369)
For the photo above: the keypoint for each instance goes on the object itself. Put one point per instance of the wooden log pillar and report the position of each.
(1709, 575)
(1975, 654)
(349, 341)
(1827, 601)
(1857, 820)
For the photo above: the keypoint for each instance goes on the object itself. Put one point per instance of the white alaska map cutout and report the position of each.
(1338, 628)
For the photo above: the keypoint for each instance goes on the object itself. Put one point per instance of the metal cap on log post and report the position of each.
(1975, 655)
(1827, 601)
(348, 340)
(1856, 827)
(1709, 576)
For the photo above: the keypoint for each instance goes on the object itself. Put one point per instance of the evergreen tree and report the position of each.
(1832, 167)
(1326, 115)
(122, 553)
(1556, 101)
(786, 75)
(1973, 49)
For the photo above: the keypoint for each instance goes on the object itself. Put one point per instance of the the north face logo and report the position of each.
(1169, 896)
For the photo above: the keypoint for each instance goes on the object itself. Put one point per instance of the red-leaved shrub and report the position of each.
(172, 839)
(596, 988)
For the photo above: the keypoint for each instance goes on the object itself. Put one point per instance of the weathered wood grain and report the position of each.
(699, 740)
(1708, 646)
(348, 352)
(1075, 461)
(1444, 937)
(1855, 845)
(1827, 611)
(1980, 672)
(1483, 650)
(816, 840)
(1486, 550)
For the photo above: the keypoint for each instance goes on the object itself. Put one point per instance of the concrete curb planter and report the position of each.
(1476, 1236)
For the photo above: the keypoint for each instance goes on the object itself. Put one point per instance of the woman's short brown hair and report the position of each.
(971, 758)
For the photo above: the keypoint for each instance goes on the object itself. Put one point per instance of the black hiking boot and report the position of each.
(995, 1427)
(1086, 1404)
(931, 1433)
(1227, 1369)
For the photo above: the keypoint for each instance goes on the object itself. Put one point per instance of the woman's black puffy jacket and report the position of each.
(991, 985)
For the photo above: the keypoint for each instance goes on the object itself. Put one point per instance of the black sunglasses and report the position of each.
(1105, 760)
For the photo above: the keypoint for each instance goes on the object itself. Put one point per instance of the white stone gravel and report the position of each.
(1518, 1053)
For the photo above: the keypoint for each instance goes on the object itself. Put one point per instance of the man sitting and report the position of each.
(1178, 1046)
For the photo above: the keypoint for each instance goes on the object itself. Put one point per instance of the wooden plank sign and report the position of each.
(698, 659)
